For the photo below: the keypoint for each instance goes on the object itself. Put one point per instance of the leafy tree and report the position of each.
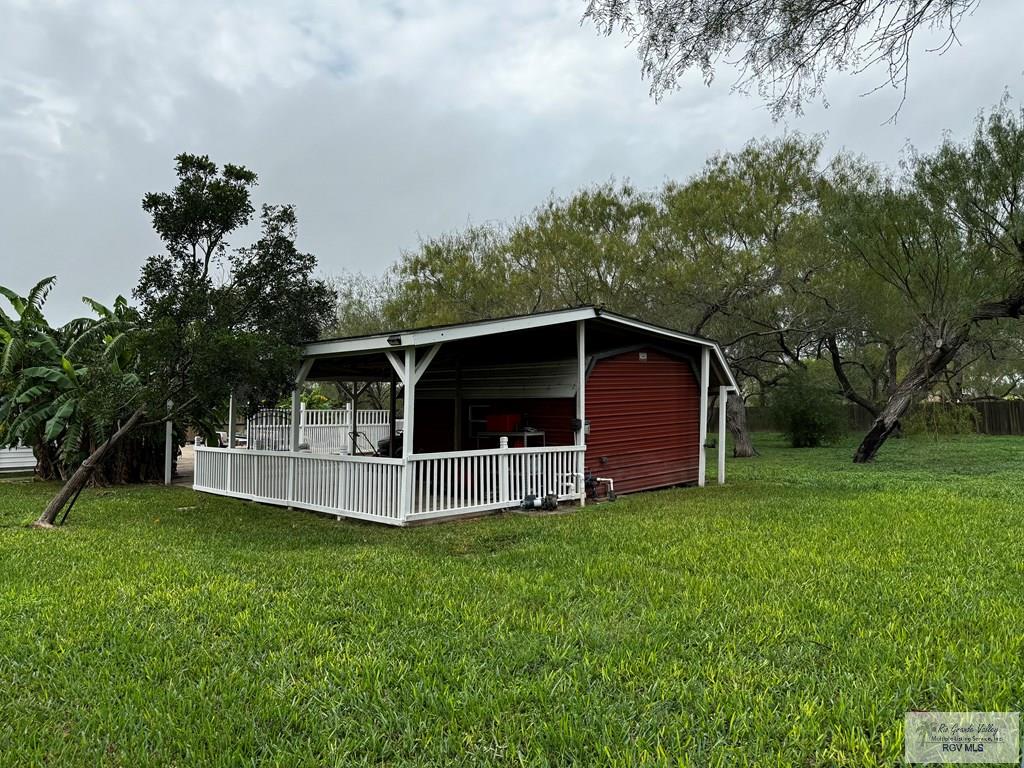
(26, 341)
(209, 317)
(947, 241)
(807, 410)
(58, 384)
(784, 47)
(462, 276)
(363, 301)
(731, 244)
(901, 283)
(713, 255)
(592, 248)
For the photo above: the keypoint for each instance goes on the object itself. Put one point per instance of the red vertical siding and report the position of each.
(644, 421)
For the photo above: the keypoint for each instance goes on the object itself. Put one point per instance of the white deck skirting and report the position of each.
(443, 485)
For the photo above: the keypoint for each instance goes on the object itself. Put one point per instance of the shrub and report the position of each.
(942, 419)
(807, 412)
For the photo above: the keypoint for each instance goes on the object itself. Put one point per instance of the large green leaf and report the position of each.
(59, 421)
(42, 373)
(28, 395)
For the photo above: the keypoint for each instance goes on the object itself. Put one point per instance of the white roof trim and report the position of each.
(675, 335)
(431, 336)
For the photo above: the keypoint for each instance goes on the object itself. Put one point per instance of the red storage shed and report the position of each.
(625, 395)
(643, 406)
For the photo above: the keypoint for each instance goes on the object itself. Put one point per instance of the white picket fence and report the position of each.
(324, 431)
(467, 482)
(365, 487)
(370, 488)
(16, 460)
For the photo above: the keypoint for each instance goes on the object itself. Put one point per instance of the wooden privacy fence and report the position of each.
(995, 417)
(373, 488)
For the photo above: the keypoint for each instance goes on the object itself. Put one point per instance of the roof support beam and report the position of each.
(421, 366)
(300, 379)
(397, 364)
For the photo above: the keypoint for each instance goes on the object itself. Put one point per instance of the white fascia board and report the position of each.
(489, 327)
(639, 324)
(431, 336)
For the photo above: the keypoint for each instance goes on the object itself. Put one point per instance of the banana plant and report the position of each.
(61, 388)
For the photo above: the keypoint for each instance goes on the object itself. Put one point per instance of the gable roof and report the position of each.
(425, 337)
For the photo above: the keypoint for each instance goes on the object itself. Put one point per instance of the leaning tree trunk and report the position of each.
(736, 421)
(80, 477)
(917, 380)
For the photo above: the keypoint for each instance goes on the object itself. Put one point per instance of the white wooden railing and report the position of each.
(324, 431)
(467, 482)
(365, 487)
(371, 488)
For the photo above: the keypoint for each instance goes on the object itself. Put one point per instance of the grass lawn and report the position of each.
(790, 617)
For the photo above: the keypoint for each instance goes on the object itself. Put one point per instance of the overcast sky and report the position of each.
(384, 122)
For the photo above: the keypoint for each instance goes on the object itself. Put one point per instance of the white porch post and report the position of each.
(705, 364)
(409, 417)
(409, 372)
(231, 420)
(581, 404)
(168, 447)
(723, 396)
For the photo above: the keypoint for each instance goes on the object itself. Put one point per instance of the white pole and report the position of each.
(296, 419)
(355, 418)
(581, 405)
(409, 421)
(168, 447)
(704, 375)
(349, 426)
(503, 475)
(723, 396)
(231, 420)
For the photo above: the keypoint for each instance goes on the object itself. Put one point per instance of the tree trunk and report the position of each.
(845, 384)
(736, 421)
(81, 475)
(917, 380)
(891, 370)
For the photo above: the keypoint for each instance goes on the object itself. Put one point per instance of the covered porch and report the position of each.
(491, 413)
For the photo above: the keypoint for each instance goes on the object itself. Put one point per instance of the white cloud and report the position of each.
(381, 121)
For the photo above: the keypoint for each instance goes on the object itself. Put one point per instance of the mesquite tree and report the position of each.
(947, 241)
(210, 318)
(730, 245)
(784, 47)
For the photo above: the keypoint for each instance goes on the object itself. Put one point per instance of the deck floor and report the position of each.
(185, 471)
